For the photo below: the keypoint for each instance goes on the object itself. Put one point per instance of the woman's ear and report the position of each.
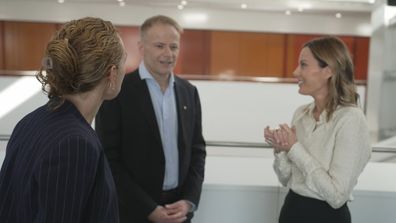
(112, 75)
(327, 72)
(113, 72)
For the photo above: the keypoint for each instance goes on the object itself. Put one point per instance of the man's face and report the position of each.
(159, 48)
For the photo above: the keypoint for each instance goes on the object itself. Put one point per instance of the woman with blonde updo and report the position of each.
(55, 169)
(320, 157)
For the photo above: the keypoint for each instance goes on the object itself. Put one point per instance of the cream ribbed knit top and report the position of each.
(328, 157)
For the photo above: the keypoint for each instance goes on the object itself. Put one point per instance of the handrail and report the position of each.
(257, 145)
(268, 146)
(239, 144)
(4, 137)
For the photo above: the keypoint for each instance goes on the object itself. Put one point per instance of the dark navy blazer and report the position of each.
(55, 171)
(128, 129)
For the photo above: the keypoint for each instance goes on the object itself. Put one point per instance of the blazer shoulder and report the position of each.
(183, 82)
(132, 77)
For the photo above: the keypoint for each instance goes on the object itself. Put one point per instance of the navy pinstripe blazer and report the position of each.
(55, 171)
(129, 133)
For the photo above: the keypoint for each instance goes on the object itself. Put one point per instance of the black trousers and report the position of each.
(297, 208)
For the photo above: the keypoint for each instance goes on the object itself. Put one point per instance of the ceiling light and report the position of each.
(243, 6)
(122, 4)
(120, 0)
(288, 12)
(180, 7)
(338, 15)
(61, 1)
(195, 18)
(183, 2)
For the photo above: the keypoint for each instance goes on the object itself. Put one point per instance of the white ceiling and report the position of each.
(308, 6)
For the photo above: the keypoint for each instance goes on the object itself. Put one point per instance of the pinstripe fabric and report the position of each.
(55, 171)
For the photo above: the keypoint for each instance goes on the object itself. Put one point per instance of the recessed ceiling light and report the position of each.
(243, 6)
(120, 0)
(183, 2)
(180, 7)
(195, 18)
(288, 12)
(338, 15)
(122, 4)
(61, 1)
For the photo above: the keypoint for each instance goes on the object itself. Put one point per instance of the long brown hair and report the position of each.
(331, 51)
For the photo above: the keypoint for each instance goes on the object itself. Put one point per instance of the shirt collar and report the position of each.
(322, 116)
(145, 74)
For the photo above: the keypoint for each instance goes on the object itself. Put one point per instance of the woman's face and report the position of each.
(312, 79)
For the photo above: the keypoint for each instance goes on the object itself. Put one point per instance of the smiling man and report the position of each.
(152, 133)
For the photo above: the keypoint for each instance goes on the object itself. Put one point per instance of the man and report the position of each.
(152, 133)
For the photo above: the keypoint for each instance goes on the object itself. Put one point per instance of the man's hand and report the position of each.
(171, 213)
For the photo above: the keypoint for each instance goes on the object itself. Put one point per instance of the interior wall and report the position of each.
(1, 46)
(24, 44)
(192, 18)
(211, 52)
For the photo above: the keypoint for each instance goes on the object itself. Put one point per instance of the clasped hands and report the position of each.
(282, 139)
(171, 213)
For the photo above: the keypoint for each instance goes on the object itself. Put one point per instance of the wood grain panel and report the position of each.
(361, 57)
(252, 54)
(202, 52)
(24, 44)
(1, 46)
(224, 51)
(261, 54)
(130, 37)
(194, 53)
(349, 42)
(294, 44)
(275, 55)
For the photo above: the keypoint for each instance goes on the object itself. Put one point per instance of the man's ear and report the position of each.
(141, 47)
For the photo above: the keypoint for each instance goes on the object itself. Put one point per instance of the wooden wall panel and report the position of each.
(202, 52)
(275, 55)
(349, 42)
(1, 46)
(247, 54)
(130, 37)
(194, 55)
(261, 54)
(294, 44)
(224, 51)
(361, 57)
(24, 44)
(357, 46)
(252, 54)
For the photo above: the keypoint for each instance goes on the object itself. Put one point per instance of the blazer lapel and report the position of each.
(182, 111)
(146, 107)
